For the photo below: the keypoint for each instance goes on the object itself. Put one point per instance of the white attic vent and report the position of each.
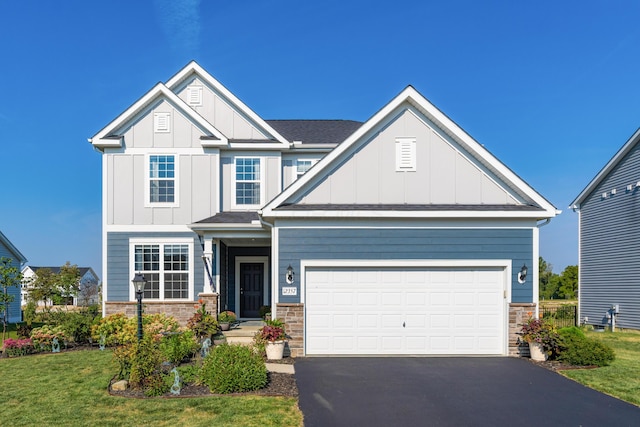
(194, 96)
(605, 195)
(613, 191)
(161, 122)
(405, 154)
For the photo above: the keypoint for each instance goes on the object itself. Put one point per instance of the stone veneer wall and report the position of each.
(293, 317)
(181, 310)
(518, 314)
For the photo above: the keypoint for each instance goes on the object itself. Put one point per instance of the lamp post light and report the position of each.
(138, 284)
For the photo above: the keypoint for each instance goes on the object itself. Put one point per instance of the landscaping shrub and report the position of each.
(120, 329)
(178, 346)
(146, 368)
(43, 336)
(24, 330)
(19, 347)
(578, 349)
(233, 368)
(77, 325)
(123, 355)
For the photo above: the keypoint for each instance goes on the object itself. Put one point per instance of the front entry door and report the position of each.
(251, 289)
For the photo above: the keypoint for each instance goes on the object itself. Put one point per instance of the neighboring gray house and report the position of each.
(400, 235)
(8, 250)
(89, 287)
(609, 240)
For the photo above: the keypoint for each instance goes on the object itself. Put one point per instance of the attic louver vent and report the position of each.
(194, 95)
(405, 154)
(161, 122)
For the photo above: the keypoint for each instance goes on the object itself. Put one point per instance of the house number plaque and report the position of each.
(290, 290)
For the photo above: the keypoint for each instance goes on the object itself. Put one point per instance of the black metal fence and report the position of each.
(561, 316)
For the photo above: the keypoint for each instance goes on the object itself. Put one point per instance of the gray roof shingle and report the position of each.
(315, 131)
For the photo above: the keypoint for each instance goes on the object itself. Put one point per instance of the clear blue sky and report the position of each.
(551, 88)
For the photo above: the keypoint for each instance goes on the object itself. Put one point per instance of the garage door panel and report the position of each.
(444, 311)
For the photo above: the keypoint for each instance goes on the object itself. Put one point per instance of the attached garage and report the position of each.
(406, 308)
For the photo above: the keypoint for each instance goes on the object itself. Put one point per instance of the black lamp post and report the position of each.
(138, 283)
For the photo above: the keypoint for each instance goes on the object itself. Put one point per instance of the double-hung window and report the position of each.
(162, 179)
(165, 267)
(248, 186)
(302, 166)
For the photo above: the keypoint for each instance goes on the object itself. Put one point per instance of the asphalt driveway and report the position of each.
(434, 391)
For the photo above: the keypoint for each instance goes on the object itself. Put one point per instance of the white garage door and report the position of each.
(405, 311)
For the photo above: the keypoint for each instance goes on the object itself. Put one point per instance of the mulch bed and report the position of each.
(278, 384)
(556, 365)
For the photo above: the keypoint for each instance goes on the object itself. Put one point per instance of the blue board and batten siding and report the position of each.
(610, 246)
(118, 258)
(297, 244)
(14, 312)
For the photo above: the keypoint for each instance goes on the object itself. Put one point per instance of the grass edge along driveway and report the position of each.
(622, 378)
(70, 388)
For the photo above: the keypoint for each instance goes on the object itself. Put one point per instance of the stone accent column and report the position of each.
(518, 314)
(292, 314)
(211, 301)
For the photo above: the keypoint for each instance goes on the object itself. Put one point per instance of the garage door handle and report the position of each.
(403, 324)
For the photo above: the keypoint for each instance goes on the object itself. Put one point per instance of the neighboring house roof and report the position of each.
(21, 259)
(410, 100)
(611, 164)
(56, 270)
(315, 131)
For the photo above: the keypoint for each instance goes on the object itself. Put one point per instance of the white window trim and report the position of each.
(294, 175)
(157, 117)
(161, 242)
(197, 89)
(234, 204)
(147, 182)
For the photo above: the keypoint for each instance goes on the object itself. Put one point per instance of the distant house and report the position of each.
(609, 240)
(8, 250)
(400, 235)
(88, 294)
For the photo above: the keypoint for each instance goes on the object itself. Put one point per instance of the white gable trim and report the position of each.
(414, 98)
(635, 138)
(108, 136)
(21, 259)
(194, 68)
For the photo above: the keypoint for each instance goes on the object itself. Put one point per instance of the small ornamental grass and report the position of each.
(233, 368)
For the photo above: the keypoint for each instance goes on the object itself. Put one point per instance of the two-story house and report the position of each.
(400, 235)
(7, 250)
(88, 286)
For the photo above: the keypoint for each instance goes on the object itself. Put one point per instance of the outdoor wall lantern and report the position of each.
(138, 284)
(290, 274)
(522, 274)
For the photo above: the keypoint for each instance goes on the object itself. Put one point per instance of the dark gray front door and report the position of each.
(251, 289)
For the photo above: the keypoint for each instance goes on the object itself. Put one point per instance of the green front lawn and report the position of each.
(70, 388)
(622, 378)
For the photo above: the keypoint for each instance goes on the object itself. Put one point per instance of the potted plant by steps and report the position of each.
(225, 319)
(202, 323)
(274, 339)
(219, 339)
(542, 337)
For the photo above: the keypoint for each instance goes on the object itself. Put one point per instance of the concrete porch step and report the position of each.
(243, 332)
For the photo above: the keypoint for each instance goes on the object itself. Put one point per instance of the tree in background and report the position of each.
(42, 286)
(569, 282)
(10, 276)
(54, 288)
(68, 281)
(557, 286)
